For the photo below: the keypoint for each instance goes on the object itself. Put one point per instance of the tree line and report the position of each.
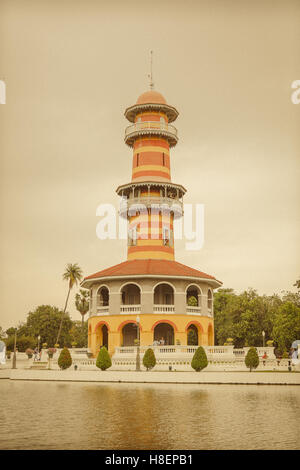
(242, 318)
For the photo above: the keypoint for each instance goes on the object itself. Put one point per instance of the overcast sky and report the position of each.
(72, 67)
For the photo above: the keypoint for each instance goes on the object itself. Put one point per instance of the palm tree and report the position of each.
(73, 274)
(82, 303)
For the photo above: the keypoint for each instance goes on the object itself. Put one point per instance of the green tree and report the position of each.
(297, 284)
(72, 274)
(22, 343)
(64, 360)
(225, 306)
(103, 361)
(10, 331)
(286, 326)
(243, 317)
(199, 360)
(45, 321)
(252, 359)
(149, 359)
(79, 334)
(82, 303)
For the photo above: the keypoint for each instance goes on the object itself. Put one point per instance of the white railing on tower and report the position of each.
(127, 309)
(163, 308)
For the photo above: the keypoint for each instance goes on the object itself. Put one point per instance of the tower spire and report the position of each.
(150, 76)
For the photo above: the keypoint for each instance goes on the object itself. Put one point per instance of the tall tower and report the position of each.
(150, 297)
(152, 201)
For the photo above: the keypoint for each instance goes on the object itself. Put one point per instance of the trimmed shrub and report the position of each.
(64, 360)
(199, 360)
(103, 361)
(149, 359)
(252, 359)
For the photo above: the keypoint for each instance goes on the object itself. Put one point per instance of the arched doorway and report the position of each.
(101, 336)
(192, 335)
(129, 334)
(165, 332)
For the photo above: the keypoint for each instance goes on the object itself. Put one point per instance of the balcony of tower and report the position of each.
(149, 129)
(151, 195)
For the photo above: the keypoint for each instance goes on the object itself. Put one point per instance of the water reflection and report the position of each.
(40, 415)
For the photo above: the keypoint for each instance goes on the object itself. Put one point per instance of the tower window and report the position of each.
(166, 236)
(132, 236)
(138, 159)
(164, 162)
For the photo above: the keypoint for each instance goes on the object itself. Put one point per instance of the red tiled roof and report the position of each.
(150, 267)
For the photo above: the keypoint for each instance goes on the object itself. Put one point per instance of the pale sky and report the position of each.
(72, 67)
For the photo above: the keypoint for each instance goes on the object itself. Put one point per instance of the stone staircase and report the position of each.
(39, 365)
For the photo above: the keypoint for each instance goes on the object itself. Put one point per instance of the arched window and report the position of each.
(130, 295)
(164, 294)
(166, 235)
(102, 297)
(209, 300)
(193, 296)
(132, 236)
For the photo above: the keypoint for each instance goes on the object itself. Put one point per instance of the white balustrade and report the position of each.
(127, 309)
(148, 126)
(104, 310)
(193, 310)
(163, 308)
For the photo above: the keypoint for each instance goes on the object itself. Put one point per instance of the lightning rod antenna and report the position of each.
(151, 83)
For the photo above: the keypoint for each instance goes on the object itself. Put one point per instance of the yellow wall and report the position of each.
(146, 334)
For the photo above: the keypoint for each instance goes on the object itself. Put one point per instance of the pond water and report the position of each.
(54, 415)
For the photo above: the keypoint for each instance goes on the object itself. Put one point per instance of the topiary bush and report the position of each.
(149, 359)
(103, 360)
(64, 360)
(199, 360)
(252, 359)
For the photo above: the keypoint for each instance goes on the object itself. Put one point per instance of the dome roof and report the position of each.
(151, 96)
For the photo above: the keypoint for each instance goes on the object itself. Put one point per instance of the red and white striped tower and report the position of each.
(152, 200)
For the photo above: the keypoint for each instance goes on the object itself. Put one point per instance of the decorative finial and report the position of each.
(151, 83)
